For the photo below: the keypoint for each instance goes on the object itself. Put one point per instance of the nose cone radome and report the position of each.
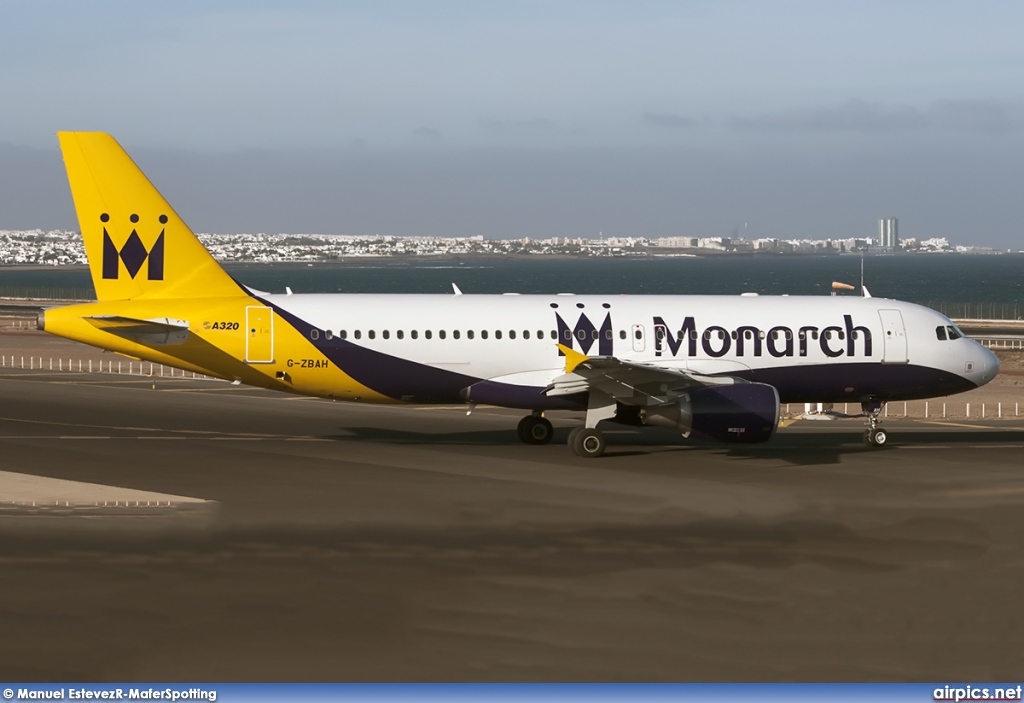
(985, 365)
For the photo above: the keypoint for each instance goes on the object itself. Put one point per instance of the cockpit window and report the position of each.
(940, 333)
(954, 332)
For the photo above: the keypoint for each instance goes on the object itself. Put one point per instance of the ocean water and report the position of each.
(961, 285)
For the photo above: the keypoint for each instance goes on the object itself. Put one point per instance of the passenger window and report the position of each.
(400, 334)
(328, 334)
(343, 334)
(622, 334)
(386, 334)
(842, 335)
(568, 335)
(526, 334)
(638, 334)
(455, 334)
(415, 335)
(359, 334)
(608, 334)
(511, 334)
(483, 334)
(314, 334)
(733, 334)
(707, 335)
(659, 332)
(554, 334)
(497, 334)
(469, 334)
(582, 334)
(372, 334)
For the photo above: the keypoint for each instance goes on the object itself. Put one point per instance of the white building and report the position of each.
(888, 233)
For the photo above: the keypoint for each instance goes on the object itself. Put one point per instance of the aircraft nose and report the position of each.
(986, 365)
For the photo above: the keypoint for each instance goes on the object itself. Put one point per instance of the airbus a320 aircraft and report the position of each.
(711, 367)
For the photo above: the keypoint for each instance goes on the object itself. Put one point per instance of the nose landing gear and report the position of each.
(874, 436)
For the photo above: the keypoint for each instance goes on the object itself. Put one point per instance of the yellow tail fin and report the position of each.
(137, 245)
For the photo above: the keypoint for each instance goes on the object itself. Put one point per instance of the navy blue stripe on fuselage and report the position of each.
(411, 381)
(837, 383)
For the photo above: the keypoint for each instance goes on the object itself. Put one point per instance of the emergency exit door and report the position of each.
(259, 335)
(639, 342)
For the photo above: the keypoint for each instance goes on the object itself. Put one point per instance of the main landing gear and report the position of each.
(583, 441)
(535, 429)
(587, 442)
(874, 436)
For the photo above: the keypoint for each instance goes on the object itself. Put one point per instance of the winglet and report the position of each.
(572, 358)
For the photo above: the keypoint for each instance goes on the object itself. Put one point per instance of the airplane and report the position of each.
(709, 367)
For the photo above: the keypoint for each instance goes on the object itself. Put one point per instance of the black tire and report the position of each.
(535, 430)
(572, 435)
(588, 443)
(879, 437)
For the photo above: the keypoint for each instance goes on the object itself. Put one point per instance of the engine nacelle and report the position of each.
(745, 412)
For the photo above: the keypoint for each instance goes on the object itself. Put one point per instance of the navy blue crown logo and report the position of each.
(585, 334)
(133, 253)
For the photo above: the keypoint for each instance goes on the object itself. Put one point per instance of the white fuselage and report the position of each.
(811, 348)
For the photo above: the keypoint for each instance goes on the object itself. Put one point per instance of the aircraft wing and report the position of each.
(628, 382)
(158, 331)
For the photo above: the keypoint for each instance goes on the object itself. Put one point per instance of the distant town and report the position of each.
(64, 247)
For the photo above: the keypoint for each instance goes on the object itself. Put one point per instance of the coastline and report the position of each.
(648, 254)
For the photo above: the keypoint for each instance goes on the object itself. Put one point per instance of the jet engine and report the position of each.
(745, 412)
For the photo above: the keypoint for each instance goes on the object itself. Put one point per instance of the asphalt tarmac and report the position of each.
(368, 543)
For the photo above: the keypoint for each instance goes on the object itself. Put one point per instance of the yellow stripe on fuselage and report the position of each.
(215, 345)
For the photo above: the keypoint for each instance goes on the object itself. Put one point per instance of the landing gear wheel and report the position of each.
(587, 443)
(572, 435)
(533, 429)
(876, 437)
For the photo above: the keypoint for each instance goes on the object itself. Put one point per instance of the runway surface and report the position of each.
(357, 542)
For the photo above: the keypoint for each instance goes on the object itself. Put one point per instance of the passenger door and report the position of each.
(895, 337)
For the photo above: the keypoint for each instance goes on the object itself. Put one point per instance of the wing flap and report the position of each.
(627, 382)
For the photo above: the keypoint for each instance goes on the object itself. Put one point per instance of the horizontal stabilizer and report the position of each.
(159, 331)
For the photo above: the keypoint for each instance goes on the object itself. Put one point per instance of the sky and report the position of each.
(531, 118)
